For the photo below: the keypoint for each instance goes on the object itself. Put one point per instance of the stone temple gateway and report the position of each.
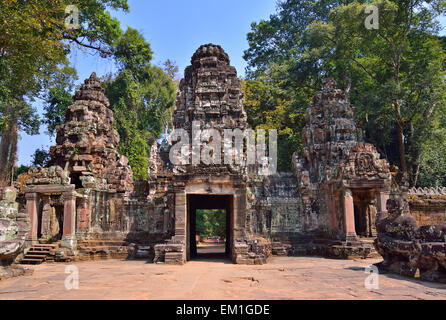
(86, 204)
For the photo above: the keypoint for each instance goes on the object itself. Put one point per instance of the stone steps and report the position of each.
(40, 253)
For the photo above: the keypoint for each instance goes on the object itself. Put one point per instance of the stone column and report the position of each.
(83, 218)
(383, 196)
(239, 214)
(31, 208)
(181, 220)
(349, 216)
(372, 216)
(45, 220)
(69, 221)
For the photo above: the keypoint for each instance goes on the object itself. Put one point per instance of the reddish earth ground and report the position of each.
(213, 278)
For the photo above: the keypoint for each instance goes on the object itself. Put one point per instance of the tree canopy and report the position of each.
(35, 41)
(211, 223)
(141, 96)
(394, 75)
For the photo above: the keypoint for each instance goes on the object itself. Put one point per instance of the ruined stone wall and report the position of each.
(87, 143)
(408, 248)
(14, 227)
(275, 206)
(335, 163)
(112, 216)
(428, 205)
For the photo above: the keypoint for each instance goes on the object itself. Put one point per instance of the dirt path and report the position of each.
(281, 278)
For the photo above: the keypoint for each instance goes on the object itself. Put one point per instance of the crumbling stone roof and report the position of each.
(87, 143)
(333, 146)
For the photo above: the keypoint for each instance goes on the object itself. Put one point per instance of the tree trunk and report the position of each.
(400, 138)
(416, 172)
(8, 155)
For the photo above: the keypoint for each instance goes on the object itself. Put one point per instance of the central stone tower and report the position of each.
(210, 92)
(210, 98)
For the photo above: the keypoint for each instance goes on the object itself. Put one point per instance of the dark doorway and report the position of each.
(360, 221)
(365, 213)
(219, 208)
(39, 219)
(76, 180)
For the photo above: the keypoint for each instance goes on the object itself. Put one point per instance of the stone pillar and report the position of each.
(45, 222)
(239, 214)
(83, 218)
(372, 216)
(349, 216)
(31, 208)
(69, 221)
(383, 196)
(181, 220)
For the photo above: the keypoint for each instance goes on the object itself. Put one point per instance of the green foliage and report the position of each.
(394, 75)
(34, 45)
(57, 100)
(19, 170)
(132, 52)
(269, 105)
(396, 72)
(211, 223)
(141, 96)
(281, 37)
(277, 90)
(41, 158)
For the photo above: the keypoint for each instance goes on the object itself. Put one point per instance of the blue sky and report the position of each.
(174, 29)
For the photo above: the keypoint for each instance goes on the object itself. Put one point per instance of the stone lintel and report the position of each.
(366, 184)
(49, 188)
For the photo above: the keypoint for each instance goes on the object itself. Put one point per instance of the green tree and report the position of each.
(277, 89)
(396, 71)
(211, 223)
(281, 37)
(41, 157)
(270, 104)
(34, 44)
(57, 100)
(393, 75)
(140, 95)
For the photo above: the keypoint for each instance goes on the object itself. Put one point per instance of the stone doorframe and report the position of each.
(210, 186)
(32, 195)
(381, 194)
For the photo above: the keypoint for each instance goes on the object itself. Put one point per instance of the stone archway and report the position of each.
(207, 202)
(218, 186)
(365, 211)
